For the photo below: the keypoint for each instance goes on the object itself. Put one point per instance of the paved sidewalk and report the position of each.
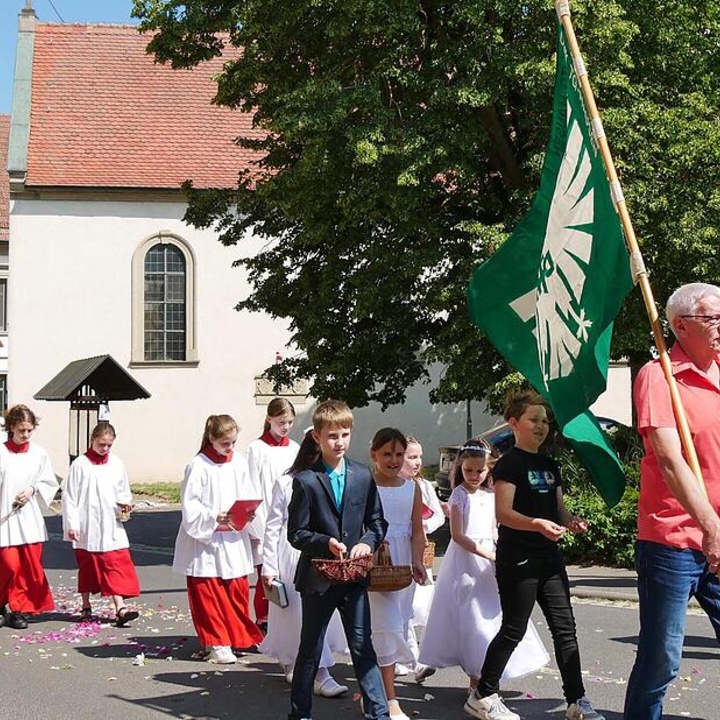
(605, 583)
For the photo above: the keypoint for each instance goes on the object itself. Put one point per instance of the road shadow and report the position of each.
(260, 692)
(167, 648)
(151, 534)
(693, 646)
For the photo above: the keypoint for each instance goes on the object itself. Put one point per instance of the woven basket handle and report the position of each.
(383, 554)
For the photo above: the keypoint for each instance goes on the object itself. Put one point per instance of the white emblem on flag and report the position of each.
(561, 327)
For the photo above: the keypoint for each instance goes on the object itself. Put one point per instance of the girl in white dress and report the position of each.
(433, 518)
(269, 457)
(280, 560)
(390, 612)
(96, 498)
(214, 556)
(26, 480)
(465, 613)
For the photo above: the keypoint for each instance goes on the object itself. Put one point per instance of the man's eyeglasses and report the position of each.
(711, 321)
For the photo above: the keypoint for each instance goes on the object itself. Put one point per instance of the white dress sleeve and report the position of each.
(458, 498)
(431, 500)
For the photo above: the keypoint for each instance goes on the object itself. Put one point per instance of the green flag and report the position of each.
(548, 297)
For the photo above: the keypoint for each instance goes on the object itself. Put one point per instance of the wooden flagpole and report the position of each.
(637, 264)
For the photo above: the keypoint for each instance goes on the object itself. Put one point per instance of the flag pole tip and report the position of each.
(562, 7)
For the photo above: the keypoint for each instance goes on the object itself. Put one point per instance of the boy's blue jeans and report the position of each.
(667, 578)
(352, 602)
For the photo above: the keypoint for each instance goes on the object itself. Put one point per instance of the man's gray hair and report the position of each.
(685, 299)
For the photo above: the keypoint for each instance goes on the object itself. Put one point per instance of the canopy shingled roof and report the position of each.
(108, 380)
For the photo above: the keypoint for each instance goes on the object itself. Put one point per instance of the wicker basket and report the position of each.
(429, 554)
(386, 577)
(343, 571)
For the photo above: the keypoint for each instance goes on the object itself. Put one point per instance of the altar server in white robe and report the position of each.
(217, 561)
(27, 484)
(96, 501)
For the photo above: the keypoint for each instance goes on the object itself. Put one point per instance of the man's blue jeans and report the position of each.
(667, 578)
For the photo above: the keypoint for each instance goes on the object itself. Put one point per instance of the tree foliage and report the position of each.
(403, 141)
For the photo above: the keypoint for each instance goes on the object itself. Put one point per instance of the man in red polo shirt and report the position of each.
(678, 547)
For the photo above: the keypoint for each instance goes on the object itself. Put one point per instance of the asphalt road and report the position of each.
(63, 670)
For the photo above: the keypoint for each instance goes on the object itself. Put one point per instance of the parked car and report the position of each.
(502, 439)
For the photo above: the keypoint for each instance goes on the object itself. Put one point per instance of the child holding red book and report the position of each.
(217, 561)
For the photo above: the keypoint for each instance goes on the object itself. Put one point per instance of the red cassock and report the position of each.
(107, 573)
(23, 584)
(220, 611)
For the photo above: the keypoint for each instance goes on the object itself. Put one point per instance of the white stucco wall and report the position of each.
(70, 298)
(616, 402)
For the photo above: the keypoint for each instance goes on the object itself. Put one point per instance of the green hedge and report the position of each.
(610, 537)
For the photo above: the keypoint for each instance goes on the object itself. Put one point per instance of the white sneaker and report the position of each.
(489, 708)
(395, 712)
(423, 672)
(401, 670)
(583, 710)
(329, 688)
(222, 655)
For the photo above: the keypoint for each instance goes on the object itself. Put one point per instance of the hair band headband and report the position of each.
(475, 448)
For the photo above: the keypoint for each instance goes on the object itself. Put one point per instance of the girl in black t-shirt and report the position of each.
(529, 567)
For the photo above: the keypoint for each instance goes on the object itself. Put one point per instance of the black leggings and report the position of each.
(520, 584)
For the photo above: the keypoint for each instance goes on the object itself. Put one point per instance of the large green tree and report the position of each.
(402, 140)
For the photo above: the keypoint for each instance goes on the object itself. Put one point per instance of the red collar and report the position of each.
(97, 458)
(681, 361)
(13, 448)
(269, 439)
(209, 452)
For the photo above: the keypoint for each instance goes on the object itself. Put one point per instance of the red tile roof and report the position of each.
(105, 115)
(4, 178)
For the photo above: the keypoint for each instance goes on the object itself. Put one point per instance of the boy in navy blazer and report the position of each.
(335, 511)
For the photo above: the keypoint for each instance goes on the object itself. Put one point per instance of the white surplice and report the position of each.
(209, 489)
(266, 463)
(90, 499)
(19, 471)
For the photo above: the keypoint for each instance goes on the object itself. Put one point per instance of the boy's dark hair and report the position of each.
(332, 412)
(519, 401)
(388, 435)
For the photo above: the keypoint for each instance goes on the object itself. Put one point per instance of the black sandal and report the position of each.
(86, 614)
(124, 616)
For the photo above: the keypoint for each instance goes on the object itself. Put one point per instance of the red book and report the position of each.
(239, 512)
